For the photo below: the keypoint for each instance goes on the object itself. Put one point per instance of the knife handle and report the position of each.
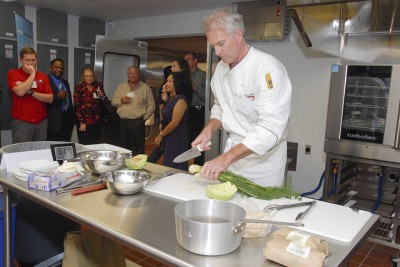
(200, 148)
(87, 189)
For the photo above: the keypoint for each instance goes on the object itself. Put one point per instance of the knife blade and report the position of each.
(190, 154)
(303, 213)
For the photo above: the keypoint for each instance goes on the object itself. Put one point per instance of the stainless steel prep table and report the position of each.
(146, 222)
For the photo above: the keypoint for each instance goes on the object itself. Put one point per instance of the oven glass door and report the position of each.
(366, 103)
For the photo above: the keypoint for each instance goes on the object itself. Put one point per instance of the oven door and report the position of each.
(363, 111)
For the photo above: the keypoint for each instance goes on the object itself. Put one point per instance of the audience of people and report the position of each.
(53, 110)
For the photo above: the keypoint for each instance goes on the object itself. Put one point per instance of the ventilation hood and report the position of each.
(350, 29)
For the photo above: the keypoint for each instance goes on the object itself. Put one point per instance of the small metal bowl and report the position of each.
(125, 182)
(101, 161)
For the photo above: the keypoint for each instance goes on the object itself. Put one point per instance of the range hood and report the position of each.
(350, 29)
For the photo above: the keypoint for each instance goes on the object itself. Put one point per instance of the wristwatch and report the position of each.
(31, 92)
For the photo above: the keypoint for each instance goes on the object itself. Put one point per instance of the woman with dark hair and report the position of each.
(181, 65)
(174, 133)
(88, 95)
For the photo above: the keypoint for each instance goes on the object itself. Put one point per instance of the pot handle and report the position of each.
(239, 227)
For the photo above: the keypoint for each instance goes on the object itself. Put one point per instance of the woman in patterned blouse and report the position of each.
(88, 95)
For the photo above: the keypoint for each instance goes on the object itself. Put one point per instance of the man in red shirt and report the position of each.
(30, 92)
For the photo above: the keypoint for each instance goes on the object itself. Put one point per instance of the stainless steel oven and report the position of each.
(362, 143)
(363, 112)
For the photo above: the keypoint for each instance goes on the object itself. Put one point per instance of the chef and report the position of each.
(252, 103)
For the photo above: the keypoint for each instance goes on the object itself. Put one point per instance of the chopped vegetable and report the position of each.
(223, 191)
(137, 162)
(250, 188)
(193, 169)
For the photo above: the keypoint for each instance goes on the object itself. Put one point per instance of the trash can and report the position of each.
(40, 231)
(13, 214)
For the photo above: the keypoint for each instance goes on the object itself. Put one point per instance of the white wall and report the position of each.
(309, 72)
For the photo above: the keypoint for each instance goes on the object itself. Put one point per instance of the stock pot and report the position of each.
(213, 227)
(207, 227)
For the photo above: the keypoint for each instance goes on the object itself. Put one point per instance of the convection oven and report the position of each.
(362, 143)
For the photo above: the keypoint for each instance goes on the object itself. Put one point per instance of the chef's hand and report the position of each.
(202, 139)
(211, 169)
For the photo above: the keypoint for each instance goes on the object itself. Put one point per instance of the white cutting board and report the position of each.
(324, 219)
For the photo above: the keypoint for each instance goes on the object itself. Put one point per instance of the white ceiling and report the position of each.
(113, 10)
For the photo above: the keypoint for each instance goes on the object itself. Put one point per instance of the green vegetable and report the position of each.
(137, 162)
(223, 191)
(193, 169)
(250, 188)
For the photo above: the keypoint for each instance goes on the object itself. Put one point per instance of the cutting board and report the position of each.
(324, 219)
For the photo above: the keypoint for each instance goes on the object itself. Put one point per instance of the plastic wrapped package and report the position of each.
(255, 230)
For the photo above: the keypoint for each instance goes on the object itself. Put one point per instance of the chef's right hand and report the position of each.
(202, 139)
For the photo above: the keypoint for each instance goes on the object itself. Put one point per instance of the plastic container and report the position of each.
(13, 217)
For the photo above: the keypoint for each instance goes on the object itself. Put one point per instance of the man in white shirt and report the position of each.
(252, 103)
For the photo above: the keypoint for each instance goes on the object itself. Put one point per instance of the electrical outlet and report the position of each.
(307, 150)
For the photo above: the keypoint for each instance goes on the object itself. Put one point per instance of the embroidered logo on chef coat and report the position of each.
(268, 80)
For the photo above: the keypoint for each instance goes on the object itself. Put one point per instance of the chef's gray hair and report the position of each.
(223, 19)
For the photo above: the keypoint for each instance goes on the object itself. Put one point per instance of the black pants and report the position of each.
(65, 132)
(91, 136)
(131, 134)
(195, 125)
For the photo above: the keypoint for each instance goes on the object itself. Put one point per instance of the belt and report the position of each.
(125, 119)
(197, 107)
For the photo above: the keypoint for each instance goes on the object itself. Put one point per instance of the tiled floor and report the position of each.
(370, 253)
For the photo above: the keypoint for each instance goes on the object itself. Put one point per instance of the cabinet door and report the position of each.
(88, 29)
(47, 53)
(51, 26)
(9, 60)
(7, 15)
(82, 58)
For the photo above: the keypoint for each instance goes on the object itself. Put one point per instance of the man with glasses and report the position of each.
(30, 92)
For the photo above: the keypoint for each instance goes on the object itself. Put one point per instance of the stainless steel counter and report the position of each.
(146, 222)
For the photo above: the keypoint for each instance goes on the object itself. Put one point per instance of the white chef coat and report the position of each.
(252, 100)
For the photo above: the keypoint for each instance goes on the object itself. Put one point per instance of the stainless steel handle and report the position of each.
(274, 222)
(397, 134)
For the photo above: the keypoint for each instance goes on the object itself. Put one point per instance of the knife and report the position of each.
(303, 213)
(190, 154)
(90, 188)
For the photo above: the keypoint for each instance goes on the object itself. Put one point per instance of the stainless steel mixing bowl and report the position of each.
(125, 182)
(101, 161)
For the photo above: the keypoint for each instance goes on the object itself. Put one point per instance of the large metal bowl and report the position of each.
(125, 182)
(101, 161)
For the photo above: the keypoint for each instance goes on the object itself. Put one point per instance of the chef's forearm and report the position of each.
(212, 126)
(236, 153)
